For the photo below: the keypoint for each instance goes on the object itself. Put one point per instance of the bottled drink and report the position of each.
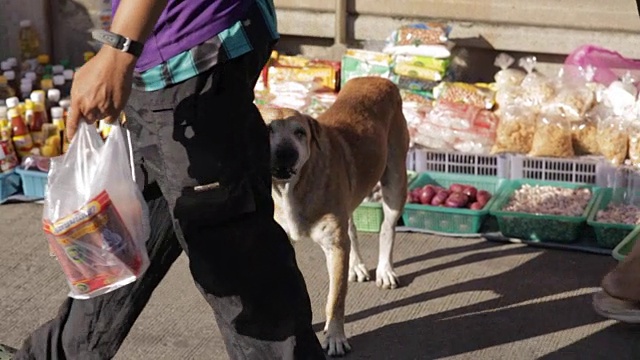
(53, 99)
(39, 117)
(5, 90)
(3, 116)
(12, 81)
(29, 41)
(25, 90)
(20, 133)
(57, 117)
(57, 69)
(68, 80)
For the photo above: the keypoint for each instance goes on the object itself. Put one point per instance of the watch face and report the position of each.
(108, 38)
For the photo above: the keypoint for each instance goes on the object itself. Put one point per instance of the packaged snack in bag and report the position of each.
(421, 34)
(613, 140)
(585, 135)
(95, 218)
(553, 136)
(465, 93)
(633, 126)
(515, 131)
(538, 89)
(506, 77)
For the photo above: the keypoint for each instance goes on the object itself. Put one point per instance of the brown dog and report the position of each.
(322, 170)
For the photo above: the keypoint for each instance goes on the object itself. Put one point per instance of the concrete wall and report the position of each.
(15, 10)
(549, 29)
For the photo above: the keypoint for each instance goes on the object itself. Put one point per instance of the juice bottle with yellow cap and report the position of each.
(43, 61)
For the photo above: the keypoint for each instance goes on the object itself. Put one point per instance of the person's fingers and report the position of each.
(72, 121)
(110, 119)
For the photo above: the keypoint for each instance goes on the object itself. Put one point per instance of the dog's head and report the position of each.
(291, 137)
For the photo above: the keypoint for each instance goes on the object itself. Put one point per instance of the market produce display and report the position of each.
(619, 214)
(549, 200)
(456, 196)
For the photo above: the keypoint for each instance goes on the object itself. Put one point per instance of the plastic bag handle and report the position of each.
(129, 144)
(133, 168)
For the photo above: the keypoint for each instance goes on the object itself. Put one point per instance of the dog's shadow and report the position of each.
(549, 293)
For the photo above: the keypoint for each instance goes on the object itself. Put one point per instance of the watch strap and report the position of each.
(119, 42)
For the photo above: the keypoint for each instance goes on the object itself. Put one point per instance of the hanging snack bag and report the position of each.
(507, 77)
(515, 131)
(553, 134)
(537, 88)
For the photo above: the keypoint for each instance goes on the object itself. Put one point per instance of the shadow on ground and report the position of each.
(547, 294)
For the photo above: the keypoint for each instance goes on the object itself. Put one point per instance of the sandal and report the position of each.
(6, 352)
(616, 309)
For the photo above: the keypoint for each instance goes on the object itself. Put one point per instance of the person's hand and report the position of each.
(100, 88)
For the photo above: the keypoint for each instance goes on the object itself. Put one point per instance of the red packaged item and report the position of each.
(95, 219)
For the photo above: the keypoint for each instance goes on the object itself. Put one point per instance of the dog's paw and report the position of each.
(386, 278)
(336, 344)
(358, 273)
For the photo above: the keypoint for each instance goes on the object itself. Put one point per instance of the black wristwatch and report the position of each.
(119, 42)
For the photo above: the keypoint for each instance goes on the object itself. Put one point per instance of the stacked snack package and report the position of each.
(359, 63)
(420, 58)
(299, 83)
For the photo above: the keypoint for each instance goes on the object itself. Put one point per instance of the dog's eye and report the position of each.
(300, 133)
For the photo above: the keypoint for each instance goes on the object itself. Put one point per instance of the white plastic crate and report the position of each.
(421, 160)
(584, 169)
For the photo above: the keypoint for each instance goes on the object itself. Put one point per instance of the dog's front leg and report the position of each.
(336, 250)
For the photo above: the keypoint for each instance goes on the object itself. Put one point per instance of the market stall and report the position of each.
(539, 157)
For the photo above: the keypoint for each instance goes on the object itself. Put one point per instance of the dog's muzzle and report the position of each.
(283, 162)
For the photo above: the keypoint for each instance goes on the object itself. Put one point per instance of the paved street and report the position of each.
(460, 299)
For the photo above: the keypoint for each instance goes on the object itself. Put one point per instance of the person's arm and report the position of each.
(101, 87)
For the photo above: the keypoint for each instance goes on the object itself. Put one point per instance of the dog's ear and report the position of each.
(268, 113)
(314, 131)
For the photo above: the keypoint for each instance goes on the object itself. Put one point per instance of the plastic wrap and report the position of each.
(457, 127)
(515, 130)
(537, 88)
(421, 34)
(470, 94)
(358, 63)
(95, 218)
(553, 137)
(507, 77)
(613, 139)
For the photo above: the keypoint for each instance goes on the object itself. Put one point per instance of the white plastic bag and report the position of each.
(95, 218)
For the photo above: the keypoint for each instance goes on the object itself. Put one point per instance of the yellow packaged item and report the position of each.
(423, 73)
(323, 76)
(439, 65)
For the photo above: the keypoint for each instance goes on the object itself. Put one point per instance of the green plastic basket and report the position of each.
(624, 247)
(608, 235)
(543, 228)
(368, 216)
(448, 220)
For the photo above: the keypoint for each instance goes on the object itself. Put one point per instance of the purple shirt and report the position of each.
(186, 23)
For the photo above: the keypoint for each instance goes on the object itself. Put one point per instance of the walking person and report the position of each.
(202, 156)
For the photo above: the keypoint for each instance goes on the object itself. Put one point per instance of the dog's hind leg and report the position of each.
(394, 195)
(357, 269)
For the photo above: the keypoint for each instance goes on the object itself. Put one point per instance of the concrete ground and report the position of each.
(460, 299)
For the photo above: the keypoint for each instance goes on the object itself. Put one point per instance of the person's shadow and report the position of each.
(551, 293)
